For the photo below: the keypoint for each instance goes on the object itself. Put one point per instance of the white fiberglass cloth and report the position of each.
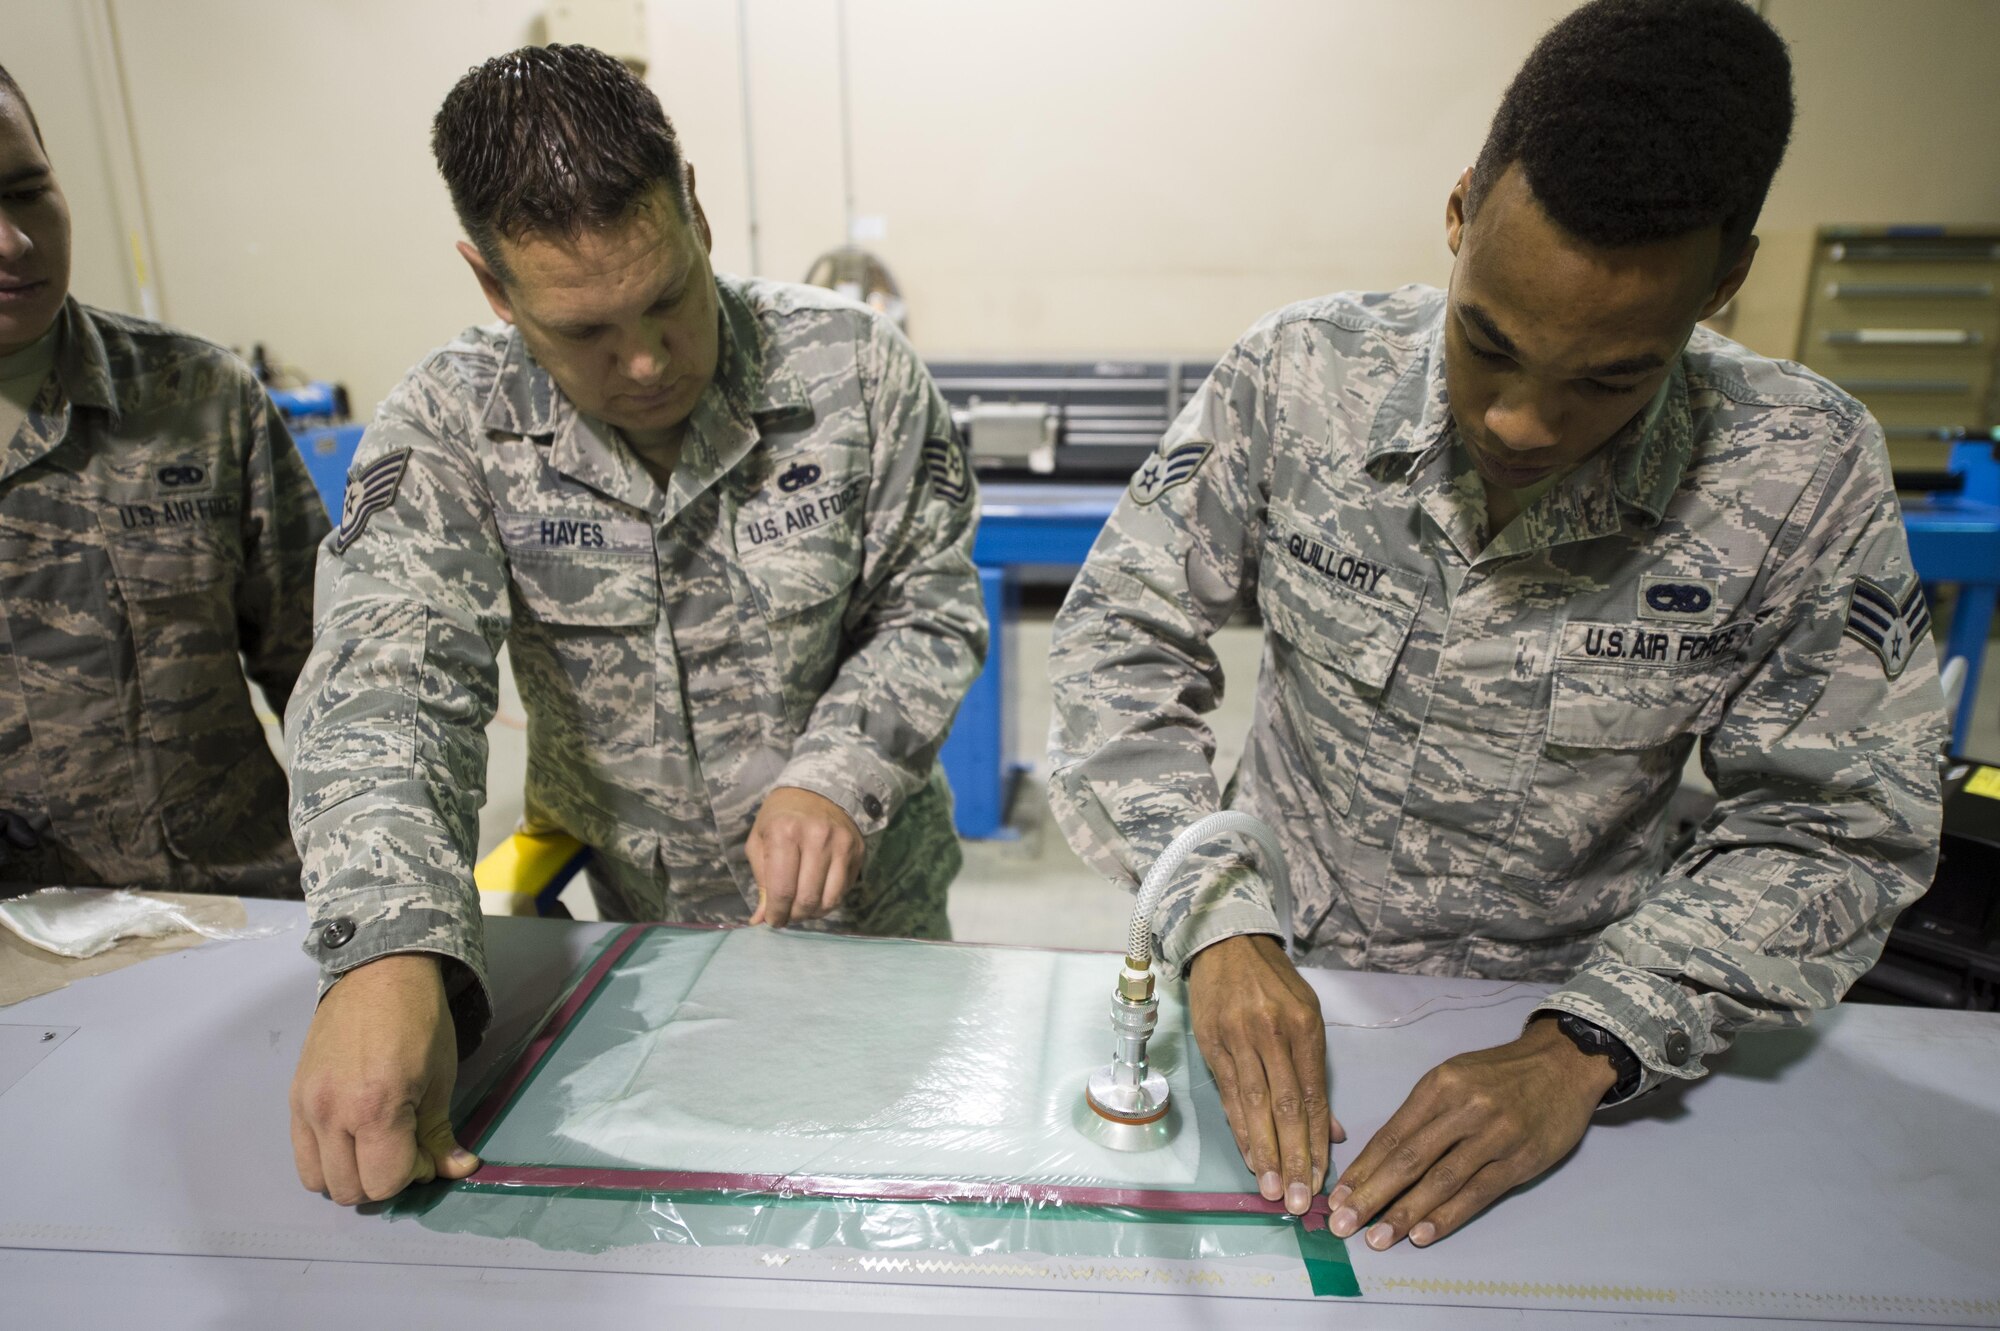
(758, 1051)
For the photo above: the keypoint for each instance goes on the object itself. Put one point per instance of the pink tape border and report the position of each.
(795, 1185)
(538, 1048)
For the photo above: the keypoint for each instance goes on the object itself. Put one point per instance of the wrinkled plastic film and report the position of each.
(588, 1221)
(773, 1055)
(797, 1090)
(74, 922)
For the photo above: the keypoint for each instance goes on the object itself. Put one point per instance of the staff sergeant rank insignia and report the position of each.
(1161, 474)
(945, 461)
(1886, 625)
(369, 491)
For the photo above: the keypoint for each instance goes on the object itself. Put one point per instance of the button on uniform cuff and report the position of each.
(1651, 1013)
(853, 780)
(352, 928)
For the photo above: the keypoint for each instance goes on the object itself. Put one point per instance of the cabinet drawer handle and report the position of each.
(1943, 433)
(1863, 387)
(1909, 290)
(1903, 337)
(1905, 252)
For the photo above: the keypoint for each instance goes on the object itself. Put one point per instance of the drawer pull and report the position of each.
(1909, 290)
(1942, 433)
(1902, 337)
(1863, 387)
(1904, 252)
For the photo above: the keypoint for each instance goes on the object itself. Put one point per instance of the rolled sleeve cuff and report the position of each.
(367, 926)
(1651, 1013)
(1220, 909)
(854, 777)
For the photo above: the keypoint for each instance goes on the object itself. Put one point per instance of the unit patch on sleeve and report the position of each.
(1162, 473)
(1888, 625)
(369, 491)
(945, 461)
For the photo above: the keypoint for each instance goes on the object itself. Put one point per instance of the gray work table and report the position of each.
(1850, 1173)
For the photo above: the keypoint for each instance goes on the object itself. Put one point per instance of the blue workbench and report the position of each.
(327, 451)
(1021, 525)
(1954, 540)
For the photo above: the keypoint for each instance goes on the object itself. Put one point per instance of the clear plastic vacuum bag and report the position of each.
(798, 1090)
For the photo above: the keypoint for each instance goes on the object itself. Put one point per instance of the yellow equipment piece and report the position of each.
(527, 872)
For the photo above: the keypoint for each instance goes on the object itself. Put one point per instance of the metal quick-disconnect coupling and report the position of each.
(1127, 1090)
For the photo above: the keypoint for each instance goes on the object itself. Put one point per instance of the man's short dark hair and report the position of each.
(550, 140)
(13, 89)
(1641, 120)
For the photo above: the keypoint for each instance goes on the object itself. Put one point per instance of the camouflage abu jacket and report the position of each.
(798, 608)
(157, 531)
(1468, 748)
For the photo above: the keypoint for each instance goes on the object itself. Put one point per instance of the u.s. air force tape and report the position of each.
(1888, 625)
(369, 491)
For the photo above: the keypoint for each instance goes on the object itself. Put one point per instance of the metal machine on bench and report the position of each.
(1068, 421)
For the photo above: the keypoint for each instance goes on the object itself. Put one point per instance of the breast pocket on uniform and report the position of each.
(1336, 623)
(583, 646)
(800, 542)
(1625, 703)
(1629, 688)
(175, 559)
(170, 546)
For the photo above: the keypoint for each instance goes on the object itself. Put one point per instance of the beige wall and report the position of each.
(1892, 127)
(45, 50)
(1055, 177)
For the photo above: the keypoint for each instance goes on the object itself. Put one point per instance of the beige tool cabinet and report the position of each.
(1908, 323)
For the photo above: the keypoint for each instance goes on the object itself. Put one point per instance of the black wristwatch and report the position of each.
(1594, 1039)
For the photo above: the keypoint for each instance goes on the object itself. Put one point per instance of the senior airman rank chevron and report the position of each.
(1887, 626)
(1161, 474)
(945, 461)
(369, 491)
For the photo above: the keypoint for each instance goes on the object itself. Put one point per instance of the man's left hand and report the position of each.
(804, 852)
(1476, 1126)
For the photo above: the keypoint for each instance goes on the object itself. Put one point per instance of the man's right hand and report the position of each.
(372, 1095)
(1259, 1027)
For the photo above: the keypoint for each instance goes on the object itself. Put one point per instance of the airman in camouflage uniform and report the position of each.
(726, 528)
(1518, 547)
(1467, 747)
(797, 608)
(157, 531)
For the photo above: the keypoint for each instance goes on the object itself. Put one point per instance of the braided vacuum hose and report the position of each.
(1128, 1098)
(1139, 941)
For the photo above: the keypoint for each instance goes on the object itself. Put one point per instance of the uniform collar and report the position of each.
(1634, 475)
(1636, 472)
(750, 389)
(83, 367)
(81, 378)
(1414, 418)
(746, 390)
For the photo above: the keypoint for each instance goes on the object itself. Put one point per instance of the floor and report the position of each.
(1032, 889)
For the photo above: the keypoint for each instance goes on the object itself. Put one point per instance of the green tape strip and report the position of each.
(1327, 1266)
